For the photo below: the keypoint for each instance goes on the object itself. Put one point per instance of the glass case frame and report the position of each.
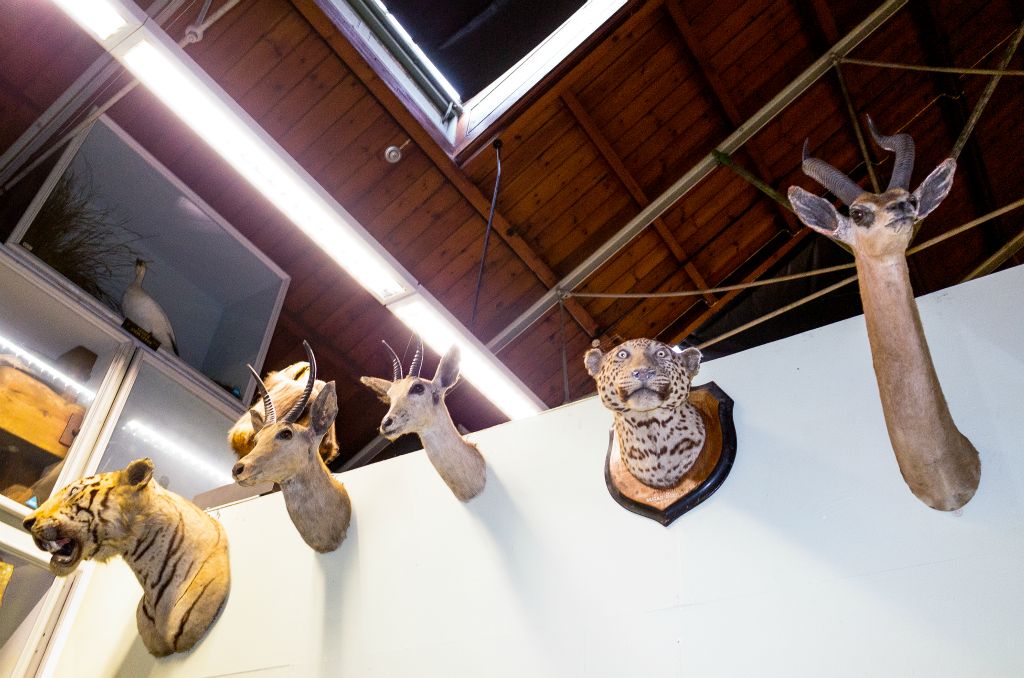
(215, 220)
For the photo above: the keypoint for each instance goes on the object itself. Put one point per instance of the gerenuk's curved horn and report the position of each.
(268, 404)
(902, 146)
(417, 359)
(396, 364)
(841, 186)
(293, 414)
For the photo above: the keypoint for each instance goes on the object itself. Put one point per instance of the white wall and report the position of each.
(813, 559)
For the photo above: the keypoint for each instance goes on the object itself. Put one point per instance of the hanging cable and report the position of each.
(565, 350)
(487, 232)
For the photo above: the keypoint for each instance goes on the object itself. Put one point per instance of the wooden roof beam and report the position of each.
(935, 43)
(695, 175)
(596, 137)
(774, 258)
(723, 98)
(351, 57)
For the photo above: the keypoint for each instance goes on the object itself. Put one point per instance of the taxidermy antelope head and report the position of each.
(286, 388)
(417, 406)
(286, 452)
(939, 464)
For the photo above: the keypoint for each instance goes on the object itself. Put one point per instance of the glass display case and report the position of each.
(55, 383)
(83, 389)
(26, 592)
(185, 434)
(154, 257)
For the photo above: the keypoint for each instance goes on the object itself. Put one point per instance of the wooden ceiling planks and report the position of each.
(623, 121)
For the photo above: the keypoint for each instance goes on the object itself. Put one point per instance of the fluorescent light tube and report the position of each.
(478, 366)
(37, 363)
(161, 444)
(166, 71)
(99, 17)
(219, 126)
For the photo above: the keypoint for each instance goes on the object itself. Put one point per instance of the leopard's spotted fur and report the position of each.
(646, 385)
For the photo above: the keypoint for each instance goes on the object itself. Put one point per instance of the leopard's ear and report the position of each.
(592, 361)
(690, 360)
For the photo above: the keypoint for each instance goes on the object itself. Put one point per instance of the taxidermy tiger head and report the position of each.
(90, 518)
(642, 375)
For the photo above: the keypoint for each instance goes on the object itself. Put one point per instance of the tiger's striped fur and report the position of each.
(179, 553)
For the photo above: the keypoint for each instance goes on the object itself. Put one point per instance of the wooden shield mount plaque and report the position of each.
(700, 482)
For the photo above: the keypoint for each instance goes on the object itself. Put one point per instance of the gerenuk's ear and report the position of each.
(818, 214)
(378, 386)
(934, 188)
(323, 410)
(592, 361)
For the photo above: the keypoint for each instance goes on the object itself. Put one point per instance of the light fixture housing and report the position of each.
(164, 68)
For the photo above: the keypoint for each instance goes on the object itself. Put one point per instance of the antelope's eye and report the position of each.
(912, 200)
(857, 214)
(622, 354)
(284, 434)
(416, 389)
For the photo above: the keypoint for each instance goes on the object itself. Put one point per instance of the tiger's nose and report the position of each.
(237, 469)
(29, 522)
(643, 373)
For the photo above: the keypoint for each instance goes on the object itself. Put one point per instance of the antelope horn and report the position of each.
(902, 145)
(268, 404)
(840, 185)
(293, 414)
(396, 364)
(417, 359)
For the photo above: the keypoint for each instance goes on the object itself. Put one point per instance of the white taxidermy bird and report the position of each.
(143, 310)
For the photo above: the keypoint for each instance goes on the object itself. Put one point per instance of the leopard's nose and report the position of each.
(643, 373)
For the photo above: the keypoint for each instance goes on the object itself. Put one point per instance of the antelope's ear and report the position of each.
(690, 360)
(323, 410)
(935, 187)
(592, 361)
(137, 473)
(818, 214)
(448, 369)
(378, 386)
(257, 420)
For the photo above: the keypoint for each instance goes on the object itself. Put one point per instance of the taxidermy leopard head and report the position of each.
(646, 384)
(642, 375)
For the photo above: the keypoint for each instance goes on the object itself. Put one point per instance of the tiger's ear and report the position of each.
(137, 473)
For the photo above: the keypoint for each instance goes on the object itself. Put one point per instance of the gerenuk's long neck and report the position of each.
(939, 464)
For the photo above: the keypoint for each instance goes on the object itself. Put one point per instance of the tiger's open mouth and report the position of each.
(64, 552)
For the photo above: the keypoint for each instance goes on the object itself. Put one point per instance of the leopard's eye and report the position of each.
(662, 353)
(622, 354)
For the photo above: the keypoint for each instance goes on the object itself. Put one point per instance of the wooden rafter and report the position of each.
(935, 43)
(722, 97)
(391, 103)
(593, 132)
(726, 298)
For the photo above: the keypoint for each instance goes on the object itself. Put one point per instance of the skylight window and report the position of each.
(469, 59)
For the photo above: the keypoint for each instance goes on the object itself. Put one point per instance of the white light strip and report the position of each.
(477, 365)
(99, 17)
(37, 363)
(162, 445)
(168, 72)
(192, 101)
